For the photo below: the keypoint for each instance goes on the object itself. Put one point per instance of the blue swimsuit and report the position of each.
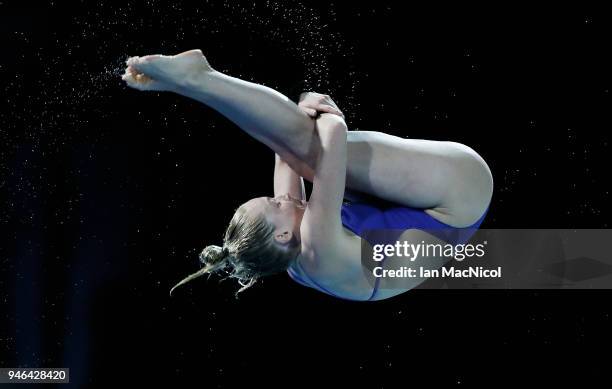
(359, 217)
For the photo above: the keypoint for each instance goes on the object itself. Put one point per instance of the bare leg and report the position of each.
(262, 112)
(447, 178)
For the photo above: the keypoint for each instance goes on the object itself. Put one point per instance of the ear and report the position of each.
(283, 237)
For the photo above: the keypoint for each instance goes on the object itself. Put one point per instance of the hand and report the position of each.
(312, 103)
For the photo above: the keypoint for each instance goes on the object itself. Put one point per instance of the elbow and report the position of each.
(332, 123)
(340, 126)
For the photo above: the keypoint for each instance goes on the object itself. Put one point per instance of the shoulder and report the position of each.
(321, 229)
(337, 266)
(324, 252)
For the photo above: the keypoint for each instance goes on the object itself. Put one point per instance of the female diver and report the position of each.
(415, 184)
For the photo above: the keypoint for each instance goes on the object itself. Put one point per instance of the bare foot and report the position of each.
(165, 73)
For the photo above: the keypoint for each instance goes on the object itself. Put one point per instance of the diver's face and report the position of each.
(284, 212)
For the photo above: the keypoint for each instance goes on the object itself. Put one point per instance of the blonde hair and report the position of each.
(249, 251)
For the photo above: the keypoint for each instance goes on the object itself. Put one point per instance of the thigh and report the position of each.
(446, 177)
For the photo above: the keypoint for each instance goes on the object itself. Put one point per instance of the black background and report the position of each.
(109, 194)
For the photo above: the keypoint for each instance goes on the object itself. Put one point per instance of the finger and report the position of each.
(308, 104)
(328, 101)
(303, 95)
(310, 109)
(329, 109)
(310, 112)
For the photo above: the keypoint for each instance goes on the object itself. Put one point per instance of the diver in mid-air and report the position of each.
(362, 180)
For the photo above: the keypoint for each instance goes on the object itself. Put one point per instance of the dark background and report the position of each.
(108, 194)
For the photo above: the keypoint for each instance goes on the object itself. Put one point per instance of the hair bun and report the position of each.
(213, 254)
(213, 258)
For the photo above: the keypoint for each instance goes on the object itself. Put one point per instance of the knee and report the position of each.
(473, 189)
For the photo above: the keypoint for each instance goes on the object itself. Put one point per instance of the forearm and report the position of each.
(330, 172)
(286, 180)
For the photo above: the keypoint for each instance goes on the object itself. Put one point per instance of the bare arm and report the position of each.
(321, 225)
(286, 180)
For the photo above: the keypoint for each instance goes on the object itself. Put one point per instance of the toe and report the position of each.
(132, 61)
(150, 65)
(140, 81)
